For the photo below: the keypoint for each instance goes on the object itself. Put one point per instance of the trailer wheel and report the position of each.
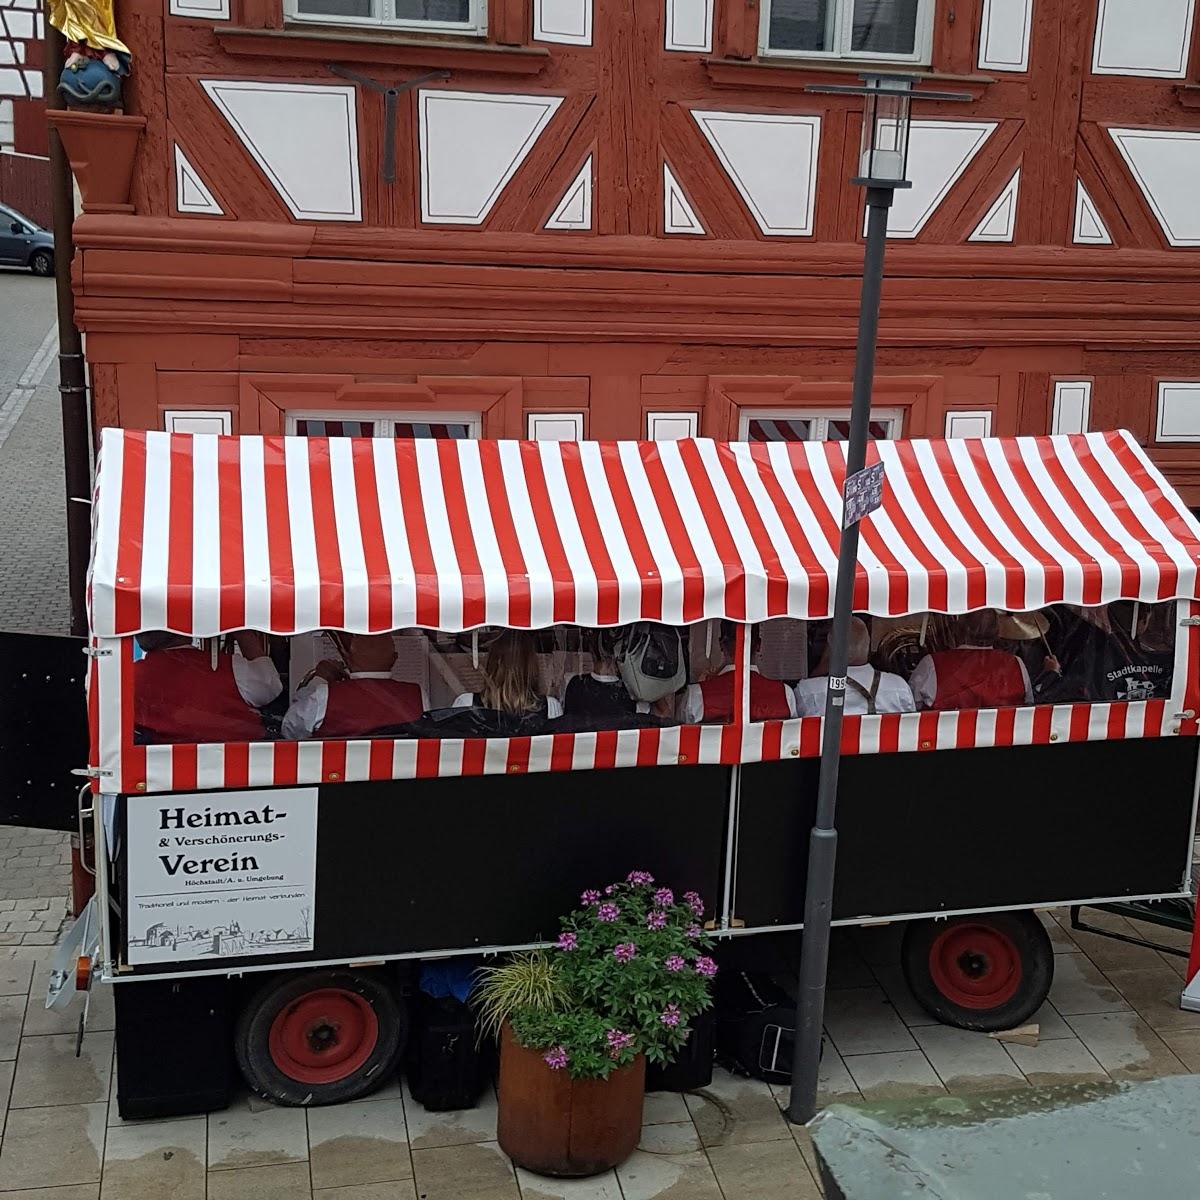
(321, 1037)
(980, 972)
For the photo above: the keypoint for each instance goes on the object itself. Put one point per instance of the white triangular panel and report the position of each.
(471, 145)
(771, 158)
(1166, 165)
(678, 214)
(191, 193)
(1000, 221)
(938, 153)
(1090, 229)
(574, 210)
(304, 136)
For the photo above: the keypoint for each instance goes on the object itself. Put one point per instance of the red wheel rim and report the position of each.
(323, 1037)
(975, 966)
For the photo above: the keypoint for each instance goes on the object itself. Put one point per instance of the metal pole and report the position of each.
(822, 850)
(72, 377)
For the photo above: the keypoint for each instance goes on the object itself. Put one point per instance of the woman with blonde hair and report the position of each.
(512, 680)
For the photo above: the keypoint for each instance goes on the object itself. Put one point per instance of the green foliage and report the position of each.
(630, 971)
(527, 983)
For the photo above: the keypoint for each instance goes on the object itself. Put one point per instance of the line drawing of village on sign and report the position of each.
(221, 876)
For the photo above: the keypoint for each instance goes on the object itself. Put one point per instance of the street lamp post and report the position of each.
(883, 163)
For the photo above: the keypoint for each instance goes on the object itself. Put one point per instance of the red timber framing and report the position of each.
(634, 256)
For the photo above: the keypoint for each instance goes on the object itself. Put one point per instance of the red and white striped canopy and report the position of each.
(204, 534)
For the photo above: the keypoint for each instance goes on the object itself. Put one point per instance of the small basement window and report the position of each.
(458, 16)
(894, 30)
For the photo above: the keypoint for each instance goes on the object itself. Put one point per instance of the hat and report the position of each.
(1022, 627)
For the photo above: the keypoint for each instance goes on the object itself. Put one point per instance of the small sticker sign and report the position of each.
(863, 494)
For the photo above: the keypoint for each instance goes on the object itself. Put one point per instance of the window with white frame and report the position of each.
(896, 30)
(459, 16)
(420, 424)
(811, 424)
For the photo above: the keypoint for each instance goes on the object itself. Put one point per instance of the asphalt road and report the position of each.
(33, 575)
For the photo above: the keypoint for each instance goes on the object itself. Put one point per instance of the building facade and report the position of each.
(629, 219)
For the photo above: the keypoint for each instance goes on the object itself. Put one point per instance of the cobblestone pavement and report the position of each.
(33, 555)
(1113, 1013)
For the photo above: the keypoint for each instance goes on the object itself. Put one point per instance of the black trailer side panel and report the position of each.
(972, 829)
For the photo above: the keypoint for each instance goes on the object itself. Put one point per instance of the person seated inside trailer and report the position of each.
(868, 690)
(976, 673)
(512, 683)
(354, 697)
(601, 694)
(711, 700)
(183, 693)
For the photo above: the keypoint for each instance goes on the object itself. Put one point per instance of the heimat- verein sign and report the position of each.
(218, 876)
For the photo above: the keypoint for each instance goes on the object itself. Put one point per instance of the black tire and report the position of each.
(41, 262)
(320, 1037)
(984, 972)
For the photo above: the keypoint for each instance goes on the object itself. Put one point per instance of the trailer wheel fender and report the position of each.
(986, 972)
(320, 1037)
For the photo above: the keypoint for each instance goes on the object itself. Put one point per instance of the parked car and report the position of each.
(24, 243)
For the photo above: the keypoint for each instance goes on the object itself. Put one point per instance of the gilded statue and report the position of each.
(96, 59)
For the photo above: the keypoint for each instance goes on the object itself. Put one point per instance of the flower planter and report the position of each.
(101, 148)
(552, 1124)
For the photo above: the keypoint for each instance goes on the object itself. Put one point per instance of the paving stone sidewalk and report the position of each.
(1112, 1014)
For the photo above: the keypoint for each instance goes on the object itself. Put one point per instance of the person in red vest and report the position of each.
(355, 699)
(185, 694)
(975, 674)
(712, 699)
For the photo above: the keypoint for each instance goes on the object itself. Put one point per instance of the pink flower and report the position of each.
(664, 897)
(612, 887)
(624, 951)
(639, 877)
(674, 962)
(670, 1015)
(694, 931)
(608, 912)
(568, 940)
(590, 897)
(617, 1041)
(705, 966)
(556, 1059)
(656, 918)
(693, 901)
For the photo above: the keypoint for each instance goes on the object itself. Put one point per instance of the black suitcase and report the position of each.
(756, 1026)
(446, 1066)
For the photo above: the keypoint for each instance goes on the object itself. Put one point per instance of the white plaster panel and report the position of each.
(672, 426)
(1166, 165)
(1178, 411)
(565, 21)
(191, 193)
(969, 424)
(678, 214)
(1090, 229)
(938, 153)
(1004, 35)
(555, 427)
(304, 136)
(471, 146)
(1072, 406)
(574, 210)
(688, 26)
(206, 10)
(1000, 221)
(772, 160)
(198, 420)
(1143, 37)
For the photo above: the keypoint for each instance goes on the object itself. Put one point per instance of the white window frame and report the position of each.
(418, 416)
(843, 36)
(819, 419)
(475, 25)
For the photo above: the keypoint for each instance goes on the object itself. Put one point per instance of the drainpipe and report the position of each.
(72, 375)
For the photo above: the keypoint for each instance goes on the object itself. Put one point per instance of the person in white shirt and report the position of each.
(512, 681)
(357, 698)
(868, 690)
(712, 699)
